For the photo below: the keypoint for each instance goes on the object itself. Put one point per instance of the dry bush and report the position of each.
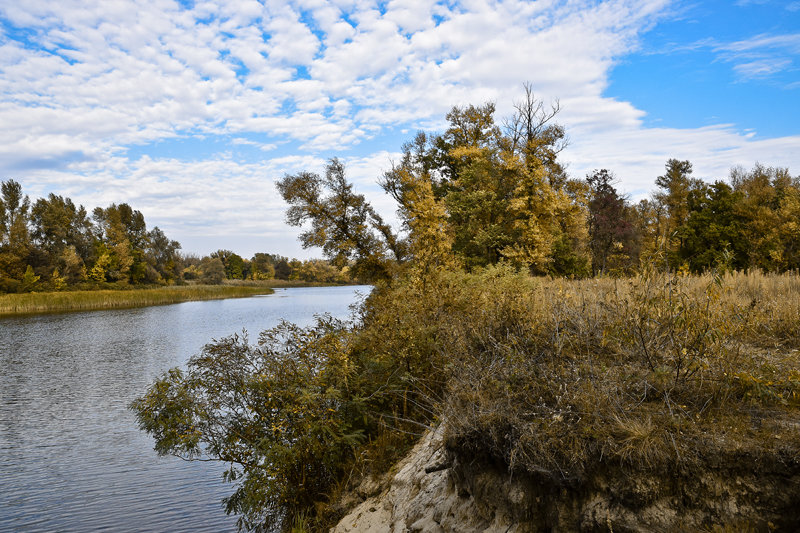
(555, 377)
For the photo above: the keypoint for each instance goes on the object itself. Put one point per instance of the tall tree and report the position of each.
(343, 223)
(674, 196)
(423, 214)
(162, 255)
(15, 243)
(62, 230)
(714, 230)
(611, 230)
(531, 131)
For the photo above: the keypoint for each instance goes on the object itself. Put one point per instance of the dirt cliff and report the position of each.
(433, 490)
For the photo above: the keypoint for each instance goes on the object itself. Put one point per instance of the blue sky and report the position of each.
(190, 111)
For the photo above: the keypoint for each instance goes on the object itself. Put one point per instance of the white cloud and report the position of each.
(88, 81)
(761, 68)
(761, 56)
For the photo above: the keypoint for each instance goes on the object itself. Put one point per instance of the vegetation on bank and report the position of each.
(53, 245)
(53, 302)
(680, 354)
(553, 378)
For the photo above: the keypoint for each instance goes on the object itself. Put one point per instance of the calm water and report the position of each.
(71, 455)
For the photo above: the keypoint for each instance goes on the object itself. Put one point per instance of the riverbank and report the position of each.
(651, 403)
(57, 302)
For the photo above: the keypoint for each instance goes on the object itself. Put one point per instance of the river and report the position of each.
(71, 455)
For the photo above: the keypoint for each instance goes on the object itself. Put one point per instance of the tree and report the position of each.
(123, 236)
(213, 271)
(281, 414)
(262, 266)
(282, 269)
(611, 231)
(480, 188)
(492, 196)
(29, 280)
(761, 191)
(789, 214)
(714, 230)
(162, 255)
(233, 263)
(423, 214)
(532, 132)
(59, 225)
(674, 195)
(99, 271)
(473, 192)
(343, 223)
(15, 242)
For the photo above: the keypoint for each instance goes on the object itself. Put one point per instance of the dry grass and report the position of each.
(50, 302)
(556, 377)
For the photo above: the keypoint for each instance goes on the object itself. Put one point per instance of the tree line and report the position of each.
(485, 192)
(54, 244)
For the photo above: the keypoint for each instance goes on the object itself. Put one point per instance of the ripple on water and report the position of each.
(71, 455)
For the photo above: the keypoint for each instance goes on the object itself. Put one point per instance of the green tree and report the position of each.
(235, 267)
(233, 263)
(283, 414)
(162, 255)
(714, 230)
(282, 269)
(59, 225)
(213, 271)
(674, 196)
(15, 242)
(343, 223)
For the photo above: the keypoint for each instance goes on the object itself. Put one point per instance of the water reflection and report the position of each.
(71, 456)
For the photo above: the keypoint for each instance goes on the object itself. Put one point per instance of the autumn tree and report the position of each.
(763, 190)
(532, 131)
(162, 255)
(424, 216)
(15, 241)
(262, 266)
(611, 229)
(64, 234)
(674, 196)
(492, 194)
(123, 237)
(343, 223)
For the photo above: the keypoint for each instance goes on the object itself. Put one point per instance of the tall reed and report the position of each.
(50, 302)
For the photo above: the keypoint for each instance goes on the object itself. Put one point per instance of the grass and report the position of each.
(53, 302)
(687, 370)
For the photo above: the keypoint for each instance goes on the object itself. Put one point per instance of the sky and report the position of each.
(190, 111)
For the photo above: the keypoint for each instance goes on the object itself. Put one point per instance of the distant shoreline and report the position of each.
(35, 303)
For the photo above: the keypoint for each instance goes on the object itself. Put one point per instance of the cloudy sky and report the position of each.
(189, 111)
